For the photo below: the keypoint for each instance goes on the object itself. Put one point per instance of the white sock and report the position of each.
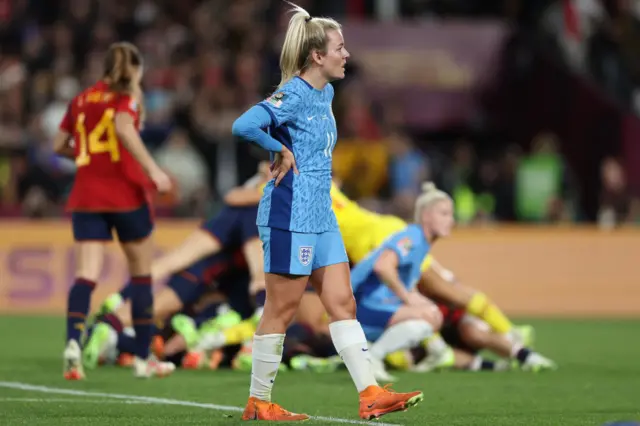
(476, 363)
(266, 354)
(351, 344)
(211, 341)
(436, 345)
(404, 335)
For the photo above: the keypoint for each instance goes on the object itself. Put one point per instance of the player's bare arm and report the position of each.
(62, 144)
(386, 268)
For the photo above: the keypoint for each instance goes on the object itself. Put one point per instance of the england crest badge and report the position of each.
(305, 254)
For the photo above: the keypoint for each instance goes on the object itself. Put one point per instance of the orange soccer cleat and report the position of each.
(265, 410)
(157, 346)
(125, 360)
(375, 401)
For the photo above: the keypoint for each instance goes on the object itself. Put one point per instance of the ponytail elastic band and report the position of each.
(307, 19)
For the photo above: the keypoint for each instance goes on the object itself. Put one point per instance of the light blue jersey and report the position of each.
(376, 303)
(411, 246)
(303, 121)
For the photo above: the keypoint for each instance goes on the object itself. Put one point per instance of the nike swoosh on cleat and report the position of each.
(371, 406)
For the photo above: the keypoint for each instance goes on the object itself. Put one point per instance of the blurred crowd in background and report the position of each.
(206, 61)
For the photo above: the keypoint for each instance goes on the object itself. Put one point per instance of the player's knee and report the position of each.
(472, 335)
(417, 330)
(281, 309)
(139, 257)
(341, 307)
(433, 316)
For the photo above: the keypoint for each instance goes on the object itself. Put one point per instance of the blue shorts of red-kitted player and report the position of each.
(99, 226)
(233, 226)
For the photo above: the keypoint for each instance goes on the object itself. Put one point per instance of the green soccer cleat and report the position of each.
(221, 322)
(242, 362)
(110, 304)
(95, 346)
(526, 335)
(317, 365)
(186, 327)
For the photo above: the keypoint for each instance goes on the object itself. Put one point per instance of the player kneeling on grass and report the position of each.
(392, 313)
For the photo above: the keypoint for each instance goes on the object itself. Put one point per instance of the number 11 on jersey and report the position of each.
(331, 142)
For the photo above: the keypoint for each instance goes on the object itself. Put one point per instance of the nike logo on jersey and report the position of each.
(324, 117)
(364, 350)
(311, 117)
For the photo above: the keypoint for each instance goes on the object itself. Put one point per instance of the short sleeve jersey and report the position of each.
(108, 177)
(411, 247)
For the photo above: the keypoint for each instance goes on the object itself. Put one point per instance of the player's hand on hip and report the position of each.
(161, 180)
(284, 162)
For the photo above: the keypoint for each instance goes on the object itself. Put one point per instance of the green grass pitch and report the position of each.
(598, 382)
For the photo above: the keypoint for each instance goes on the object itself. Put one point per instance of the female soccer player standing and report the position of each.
(297, 226)
(111, 191)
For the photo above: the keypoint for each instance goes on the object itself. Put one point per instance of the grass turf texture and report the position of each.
(598, 382)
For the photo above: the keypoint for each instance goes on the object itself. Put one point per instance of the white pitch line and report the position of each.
(164, 401)
(57, 400)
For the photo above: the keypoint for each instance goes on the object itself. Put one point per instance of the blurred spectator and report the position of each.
(360, 158)
(408, 169)
(572, 23)
(188, 169)
(457, 180)
(208, 60)
(544, 190)
(617, 206)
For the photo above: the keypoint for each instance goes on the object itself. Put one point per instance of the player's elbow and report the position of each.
(233, 198)
(240, 128)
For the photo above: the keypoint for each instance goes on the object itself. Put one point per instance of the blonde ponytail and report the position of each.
(304, 35)
(430, 195)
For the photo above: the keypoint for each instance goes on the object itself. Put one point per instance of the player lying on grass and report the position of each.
(227, 268)
(210, 312)
(468, 335)
(307, 343)
(363, 231)
(461, 327)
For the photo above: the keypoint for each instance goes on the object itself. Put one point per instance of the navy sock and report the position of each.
(125, 292)
(142, 314)
(78, 307)
(487, 365)
(522, 355)
(260, 298)
(126, 343)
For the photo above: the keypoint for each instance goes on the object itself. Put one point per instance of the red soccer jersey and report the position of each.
(108, 177)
